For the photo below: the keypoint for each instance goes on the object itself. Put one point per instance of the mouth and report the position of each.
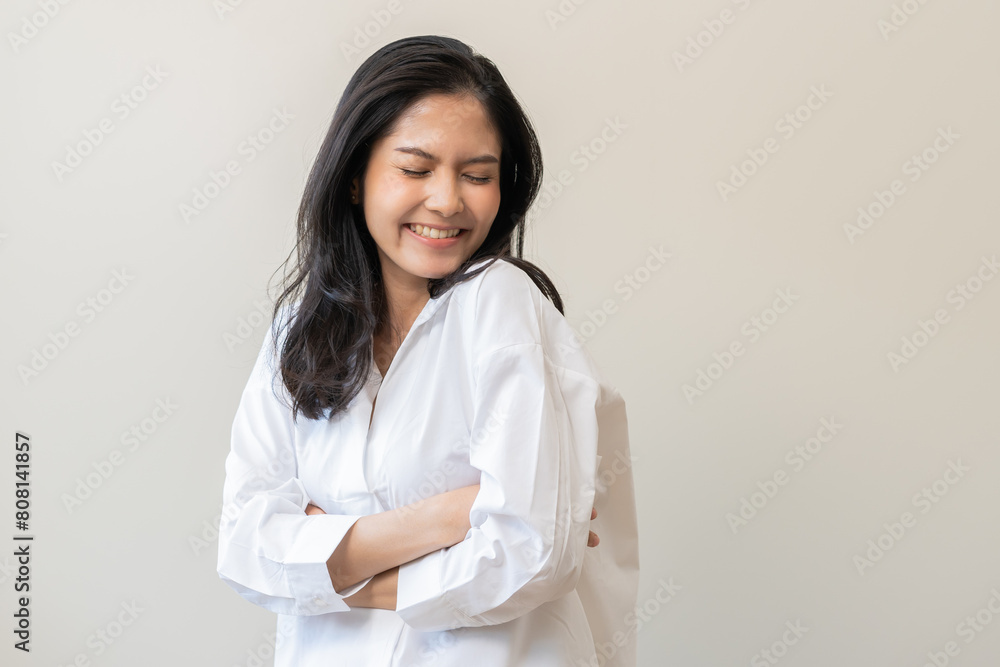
(426, 232)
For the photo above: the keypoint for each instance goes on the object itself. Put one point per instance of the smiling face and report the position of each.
(432, 189)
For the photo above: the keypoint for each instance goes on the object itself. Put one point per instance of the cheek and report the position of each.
(392, 186)
(386, 205)
(487, 203)
(388, 194)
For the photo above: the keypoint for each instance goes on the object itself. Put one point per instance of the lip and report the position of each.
(435, 243)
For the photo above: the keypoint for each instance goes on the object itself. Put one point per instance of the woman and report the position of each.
(423, 443)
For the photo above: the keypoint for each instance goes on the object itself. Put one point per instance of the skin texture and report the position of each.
(447, 177)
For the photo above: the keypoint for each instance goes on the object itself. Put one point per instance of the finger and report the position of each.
(593, 540)
(593, 513)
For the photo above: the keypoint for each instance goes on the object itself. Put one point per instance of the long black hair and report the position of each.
(336, 275)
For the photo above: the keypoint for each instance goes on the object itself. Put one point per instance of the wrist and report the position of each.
(378, 593)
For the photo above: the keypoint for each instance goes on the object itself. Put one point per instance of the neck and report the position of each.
(405, 297)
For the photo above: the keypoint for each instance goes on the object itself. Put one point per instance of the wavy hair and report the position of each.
(333, 275)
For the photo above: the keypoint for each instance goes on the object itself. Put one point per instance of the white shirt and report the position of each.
(489, 386)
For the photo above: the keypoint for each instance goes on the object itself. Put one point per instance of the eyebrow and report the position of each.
(419, 152)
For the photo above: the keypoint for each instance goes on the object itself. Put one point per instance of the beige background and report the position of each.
(183, 329)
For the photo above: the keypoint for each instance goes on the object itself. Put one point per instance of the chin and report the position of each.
(436, 275)
(435, 270)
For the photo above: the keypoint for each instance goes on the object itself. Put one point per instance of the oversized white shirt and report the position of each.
(490, 386)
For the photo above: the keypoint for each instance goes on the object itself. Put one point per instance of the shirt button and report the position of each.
(319, 602)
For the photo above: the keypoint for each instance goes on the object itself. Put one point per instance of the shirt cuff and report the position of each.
(305, 564)
(421, 600)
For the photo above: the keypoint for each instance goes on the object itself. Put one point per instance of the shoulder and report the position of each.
(502, 309)
(276, 334)
(502, 306)
(498, 277)
(266, 368)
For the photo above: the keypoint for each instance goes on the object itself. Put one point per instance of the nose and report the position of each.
(444, 195)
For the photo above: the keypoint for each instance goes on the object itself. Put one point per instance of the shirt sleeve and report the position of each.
(270, 551)
(534, 439)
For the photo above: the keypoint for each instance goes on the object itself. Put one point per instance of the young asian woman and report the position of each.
(423, 442)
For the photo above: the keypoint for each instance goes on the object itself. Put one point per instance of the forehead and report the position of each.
(442, 123)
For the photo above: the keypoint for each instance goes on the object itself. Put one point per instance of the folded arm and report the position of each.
(379, 542)
(375, 547)
(275, 553)
(461, 558)
(535, 443)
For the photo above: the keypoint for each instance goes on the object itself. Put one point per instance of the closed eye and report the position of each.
(482, 180)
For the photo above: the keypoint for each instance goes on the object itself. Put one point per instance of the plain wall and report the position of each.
(826, 476)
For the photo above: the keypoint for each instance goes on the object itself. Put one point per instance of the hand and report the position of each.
(379, 593)
(593, 540)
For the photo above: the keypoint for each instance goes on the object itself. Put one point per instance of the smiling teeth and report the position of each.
(432, 233)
